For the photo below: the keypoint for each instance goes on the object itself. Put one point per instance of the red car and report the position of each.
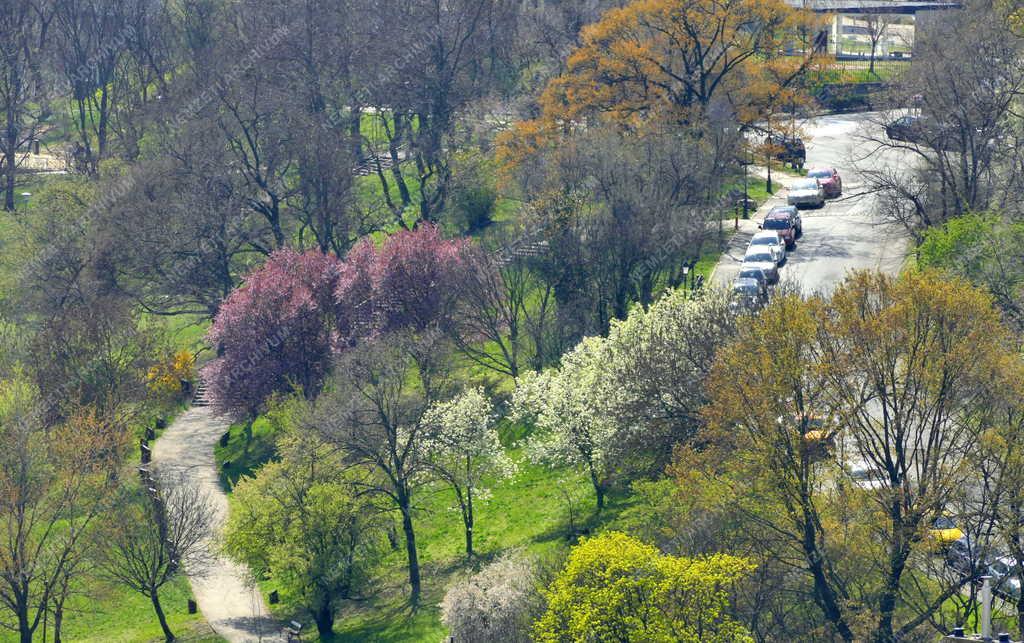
(829, 179)
(783, 223)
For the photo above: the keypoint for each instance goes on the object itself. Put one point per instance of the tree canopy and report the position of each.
(615, 588)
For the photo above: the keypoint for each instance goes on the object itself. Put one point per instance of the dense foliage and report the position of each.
(614, 587)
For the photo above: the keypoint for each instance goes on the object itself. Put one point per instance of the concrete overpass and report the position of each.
(909, 7)
(921, 17)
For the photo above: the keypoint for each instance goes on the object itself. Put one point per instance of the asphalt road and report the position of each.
(847, 233)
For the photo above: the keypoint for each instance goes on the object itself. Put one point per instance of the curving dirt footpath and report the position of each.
(234, 610)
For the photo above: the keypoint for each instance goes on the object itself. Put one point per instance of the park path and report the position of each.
(225, 596)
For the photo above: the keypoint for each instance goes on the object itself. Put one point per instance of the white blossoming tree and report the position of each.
(568, 408)
(624, 401)
(496, 604)
(462, 447)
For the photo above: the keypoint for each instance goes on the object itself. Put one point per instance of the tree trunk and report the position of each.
(58, 621)
(24, 629)
(825, 594)
(468, 519)
(897, 563)
(1020, 614)
(410, 549)
(155, 599)
(598, 487)
(10, 159)
(324, 619)
(393, 144)
(9, 171)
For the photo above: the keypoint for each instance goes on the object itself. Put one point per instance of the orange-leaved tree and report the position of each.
(671, 60)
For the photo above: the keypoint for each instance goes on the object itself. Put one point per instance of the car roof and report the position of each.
(821, 169)
(779, 215)
(745, 281)
(761, 234)
(788, 209)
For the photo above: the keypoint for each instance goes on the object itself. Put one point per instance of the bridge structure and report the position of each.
(902, 7)
(912, 19)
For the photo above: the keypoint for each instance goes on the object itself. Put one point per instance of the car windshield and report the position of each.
(944, 523)
(765, 241)
(820, 174)
(776, 224)
(806, 184)
(999, 568)
(760, 257)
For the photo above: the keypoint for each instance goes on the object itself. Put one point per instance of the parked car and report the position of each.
(755, 273)
(1000, 565)
(925, 131)
(963, 556)
(865, 475)
(746, 295)
(788, 149)
(783, 225)
(806, 192)
(830, 180)
(909, 129)
(763, 258)
(944, 532)
(1009, 587)
(794, 214)
(1005, 576)
(771, 239)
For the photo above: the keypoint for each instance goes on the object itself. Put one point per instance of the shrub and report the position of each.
(495, 604)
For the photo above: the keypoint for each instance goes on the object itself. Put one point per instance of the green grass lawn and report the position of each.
(529, 511)
(244, 453)
(116, 615)
(858, 72)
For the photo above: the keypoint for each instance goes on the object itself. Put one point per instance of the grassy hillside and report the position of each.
(541, 510)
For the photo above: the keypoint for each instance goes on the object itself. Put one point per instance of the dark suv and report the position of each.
(788, 149)
(784, 219)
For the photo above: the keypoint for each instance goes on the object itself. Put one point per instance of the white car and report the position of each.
(762, 257)
(806, 192)
(865, 475)
(771, 239)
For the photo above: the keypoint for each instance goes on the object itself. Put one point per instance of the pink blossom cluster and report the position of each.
(280, 328)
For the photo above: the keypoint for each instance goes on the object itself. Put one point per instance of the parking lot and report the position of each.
(846, 234)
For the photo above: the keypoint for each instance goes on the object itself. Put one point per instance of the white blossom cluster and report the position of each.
(640, 386)
(494, 604)
(460, 437)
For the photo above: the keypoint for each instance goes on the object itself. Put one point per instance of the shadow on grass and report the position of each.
(245, 452)
(588, 520)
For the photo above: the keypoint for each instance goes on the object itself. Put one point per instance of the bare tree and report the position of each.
(55, 483)
(490, 328)
(26, 26)
(877, 25)
(157, 534)
(373, 413)
(92, 37)
(961, 154)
